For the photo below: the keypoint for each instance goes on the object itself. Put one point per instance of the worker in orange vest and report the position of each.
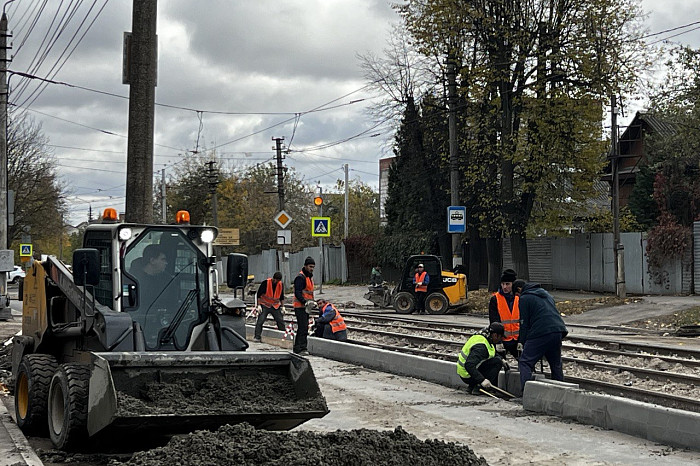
(504, 308)
(303, 302)
(330, 324)
(421, 279)
(270, 299)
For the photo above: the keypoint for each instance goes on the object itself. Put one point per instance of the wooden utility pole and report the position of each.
(347, 203)
(619, 249)
(141, 76)
(280, 171)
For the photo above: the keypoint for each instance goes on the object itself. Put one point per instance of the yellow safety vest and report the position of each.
(477, 339)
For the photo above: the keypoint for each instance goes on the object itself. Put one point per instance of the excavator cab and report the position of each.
(446, 290)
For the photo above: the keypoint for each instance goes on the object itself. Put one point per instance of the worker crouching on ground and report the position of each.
(541, 330)
(270, 299)
(503, 308)
(330, 324)
(478, 364)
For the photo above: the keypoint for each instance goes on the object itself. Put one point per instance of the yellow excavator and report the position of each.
(140, 313)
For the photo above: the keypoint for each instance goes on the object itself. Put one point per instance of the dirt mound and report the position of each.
(244, 445)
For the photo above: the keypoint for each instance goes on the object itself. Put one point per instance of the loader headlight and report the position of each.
(207, 236)
(125, 234)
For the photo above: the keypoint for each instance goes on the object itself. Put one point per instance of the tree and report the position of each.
(363, 210)
(39, 194)
(534, 74)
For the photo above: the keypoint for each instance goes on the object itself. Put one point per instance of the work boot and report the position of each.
(303, 353)
(257, 340)
(475, 391)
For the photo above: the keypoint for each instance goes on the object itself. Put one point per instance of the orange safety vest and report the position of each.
(271, 298)
(422, 287)
(509, 319)
(338, 323)
(307, 292)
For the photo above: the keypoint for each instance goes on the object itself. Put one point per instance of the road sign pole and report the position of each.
(320, 244)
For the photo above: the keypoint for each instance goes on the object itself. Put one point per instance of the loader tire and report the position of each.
(32, 392)
(436, 303)
(404, 303)
(68, 405)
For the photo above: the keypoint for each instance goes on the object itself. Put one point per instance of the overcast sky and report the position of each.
(270, 59)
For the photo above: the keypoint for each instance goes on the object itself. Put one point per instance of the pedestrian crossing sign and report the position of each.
(321, 226)
(25, 250)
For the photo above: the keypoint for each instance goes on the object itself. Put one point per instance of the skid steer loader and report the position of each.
(97, 338)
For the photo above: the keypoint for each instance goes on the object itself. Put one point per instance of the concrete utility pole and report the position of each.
(3, 130)
(320, 242)
(213, 180)
(454, 152)
(347, 201)
(280, 171)
(619, 249)
(142, 65)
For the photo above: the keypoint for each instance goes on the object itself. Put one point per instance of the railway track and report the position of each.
(663, 375)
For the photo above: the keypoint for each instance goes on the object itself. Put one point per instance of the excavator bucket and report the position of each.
(176, 392)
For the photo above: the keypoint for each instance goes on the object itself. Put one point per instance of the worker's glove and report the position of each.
(310, 306)
(520, 347)
(486, 384)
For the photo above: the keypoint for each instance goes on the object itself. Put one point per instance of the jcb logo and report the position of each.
(449, 280)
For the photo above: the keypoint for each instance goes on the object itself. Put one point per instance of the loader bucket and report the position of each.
(177, 392)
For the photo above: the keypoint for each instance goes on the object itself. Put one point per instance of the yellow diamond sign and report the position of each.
(283, 219)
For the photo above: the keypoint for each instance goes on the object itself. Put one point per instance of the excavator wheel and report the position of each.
(32, 391)
(404, 303)
(436, 303)
(68, 405)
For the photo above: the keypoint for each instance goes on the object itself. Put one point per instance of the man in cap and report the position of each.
(270, 298)
(421, 279)
(541, 330)
(303, 302)
(503, 308)
(478, 364)
(330, 324)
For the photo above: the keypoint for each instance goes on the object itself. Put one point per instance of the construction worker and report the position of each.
(330, 324)
(503, 308)
(303, 302)
(270, 301)
(541, 330)
(421, 279)
(479, 364)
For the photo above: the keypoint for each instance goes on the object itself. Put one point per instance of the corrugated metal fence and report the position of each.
(582, 262)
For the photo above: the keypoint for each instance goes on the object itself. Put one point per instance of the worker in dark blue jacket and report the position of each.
(541, 330)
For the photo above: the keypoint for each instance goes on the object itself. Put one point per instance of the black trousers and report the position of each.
(301, 338)
(420, 300)
(511, 347)
(489, 369)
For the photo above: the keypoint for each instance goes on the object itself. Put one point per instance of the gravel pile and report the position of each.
(230, 394)
(243, 445)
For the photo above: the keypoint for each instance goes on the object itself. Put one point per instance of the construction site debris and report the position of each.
(244, 445)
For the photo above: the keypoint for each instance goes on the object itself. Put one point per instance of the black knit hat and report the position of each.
(497, 328)
(508, 275)
(309, 260)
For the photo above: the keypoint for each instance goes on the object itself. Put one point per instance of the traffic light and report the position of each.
(318, 200)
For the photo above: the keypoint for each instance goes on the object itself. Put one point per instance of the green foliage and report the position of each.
(394, 249)
(39, 195)
(601, 221)
(641, 202)
(416, 196)
(361, 249)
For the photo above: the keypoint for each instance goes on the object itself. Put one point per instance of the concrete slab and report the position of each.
(659, 424)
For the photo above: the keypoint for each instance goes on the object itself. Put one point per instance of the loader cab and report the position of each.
(165, 284)
(433, 266)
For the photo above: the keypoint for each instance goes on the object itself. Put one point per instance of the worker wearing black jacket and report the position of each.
(541, 330)
(478, 364)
